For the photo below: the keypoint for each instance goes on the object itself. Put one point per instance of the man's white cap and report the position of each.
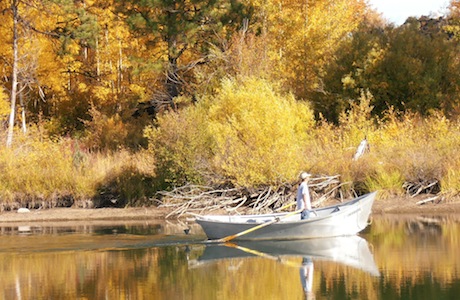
(304, 175)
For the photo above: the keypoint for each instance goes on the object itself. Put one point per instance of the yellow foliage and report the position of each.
(139, 91)
(247, 133)
(388, 181)
(333, 147)
(40, 168)
(105, 132)
(357, 122)
(450, 183)
(82, 87)
(419, 147)
(4, 104)
(259, 134)
(103, 93)
(305, 36)
(51, 69)
(40, 172)
(403, 148)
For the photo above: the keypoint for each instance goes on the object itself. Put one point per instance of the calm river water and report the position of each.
(397, 257)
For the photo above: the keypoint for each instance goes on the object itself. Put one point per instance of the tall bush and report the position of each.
(247, 134)
(260, 135)
(180, 144)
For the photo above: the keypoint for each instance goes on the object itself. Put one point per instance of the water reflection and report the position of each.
(306, 277)
(419, 256)
(348, 250)
(352, 251)
(397, 257)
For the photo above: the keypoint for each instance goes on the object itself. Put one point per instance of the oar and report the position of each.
(285, 206)
(251, 251)
(231, 237)
(262, 254)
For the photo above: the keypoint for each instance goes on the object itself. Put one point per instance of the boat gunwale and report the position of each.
(347, 207)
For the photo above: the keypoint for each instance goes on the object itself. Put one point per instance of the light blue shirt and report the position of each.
(302, 190)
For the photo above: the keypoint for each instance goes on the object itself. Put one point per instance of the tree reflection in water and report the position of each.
(412, 257)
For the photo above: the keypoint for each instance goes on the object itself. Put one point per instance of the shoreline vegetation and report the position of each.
(409, 156)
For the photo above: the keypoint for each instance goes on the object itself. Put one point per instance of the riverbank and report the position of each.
(416, 205)
(381, 206)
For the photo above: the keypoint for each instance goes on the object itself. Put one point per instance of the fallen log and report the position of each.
(431, 199)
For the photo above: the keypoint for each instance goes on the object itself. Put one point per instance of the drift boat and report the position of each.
(347, 218)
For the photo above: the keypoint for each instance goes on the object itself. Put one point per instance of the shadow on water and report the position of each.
(95, 236)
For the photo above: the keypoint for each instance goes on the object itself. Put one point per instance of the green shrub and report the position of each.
(180, 145)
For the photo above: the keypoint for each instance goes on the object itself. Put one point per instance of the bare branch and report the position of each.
(194, 199)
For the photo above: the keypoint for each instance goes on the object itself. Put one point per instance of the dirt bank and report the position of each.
(381, 206)
(409, 205)
(82, 214)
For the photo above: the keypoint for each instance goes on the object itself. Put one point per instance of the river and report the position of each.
(396, 257)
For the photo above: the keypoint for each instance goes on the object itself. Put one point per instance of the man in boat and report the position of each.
(303, 196)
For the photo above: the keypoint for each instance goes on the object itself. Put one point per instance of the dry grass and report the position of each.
(48, 173)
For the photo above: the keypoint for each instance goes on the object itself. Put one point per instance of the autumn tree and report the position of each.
(40, 34)
(408, 68)
(305, 35)
(453, 28)
(349, 74)
(417, 69)
(73, 67)
(21, 61)
(181, 34)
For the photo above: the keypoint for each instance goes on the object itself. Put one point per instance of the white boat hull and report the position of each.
(343, 219)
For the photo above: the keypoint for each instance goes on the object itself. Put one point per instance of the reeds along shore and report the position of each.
(408, 154)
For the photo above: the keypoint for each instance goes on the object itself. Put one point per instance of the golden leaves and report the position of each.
(4, 105)
(258, 132)
(305, 36)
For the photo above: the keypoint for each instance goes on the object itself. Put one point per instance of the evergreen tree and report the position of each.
(181, 33)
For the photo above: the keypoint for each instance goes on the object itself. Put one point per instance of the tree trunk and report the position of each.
(172, 81)
(14, 83)
(23, 107)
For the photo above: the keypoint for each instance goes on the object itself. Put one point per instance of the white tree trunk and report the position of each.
(23, 107)
(14, 81)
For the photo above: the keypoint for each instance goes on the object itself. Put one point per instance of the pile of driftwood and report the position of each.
(193, 199)
(423, 186)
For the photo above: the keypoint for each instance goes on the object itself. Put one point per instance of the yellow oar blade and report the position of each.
(252, 229)
(285, 206)
(263, 254)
